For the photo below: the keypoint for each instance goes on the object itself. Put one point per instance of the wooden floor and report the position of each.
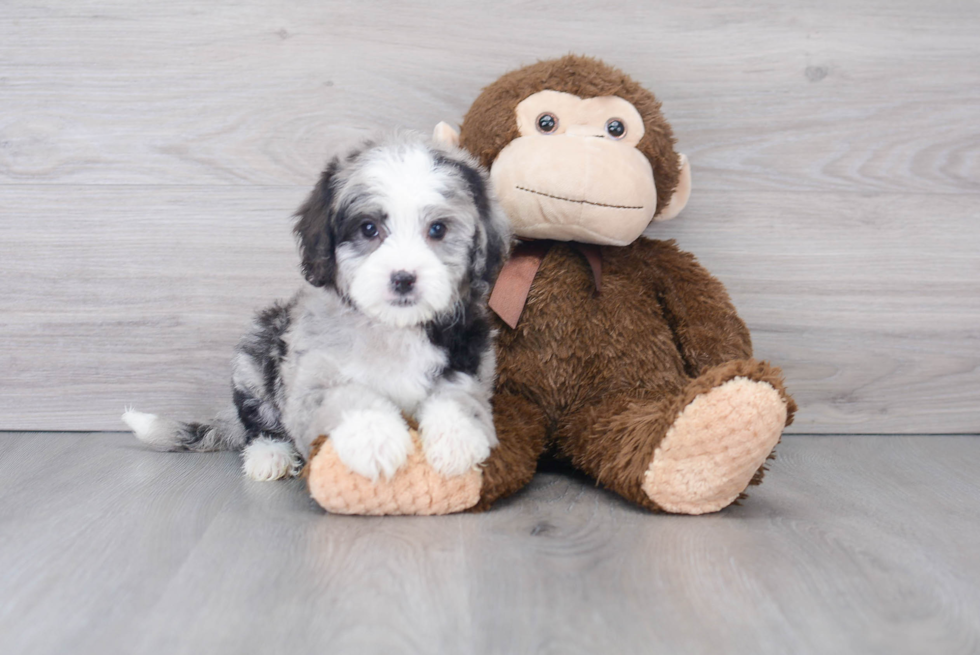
(852, 545)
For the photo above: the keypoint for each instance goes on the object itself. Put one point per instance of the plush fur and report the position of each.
(399, 241)
(600, 379)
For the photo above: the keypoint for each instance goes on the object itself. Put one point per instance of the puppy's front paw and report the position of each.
(454, 440)
(372, 442)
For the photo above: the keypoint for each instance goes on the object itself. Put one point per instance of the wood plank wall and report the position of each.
(151, 155)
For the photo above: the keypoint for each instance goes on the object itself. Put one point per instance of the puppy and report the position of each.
(400, 241)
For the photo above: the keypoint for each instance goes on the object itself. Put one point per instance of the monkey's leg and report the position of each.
(688, 452)
(521, 432)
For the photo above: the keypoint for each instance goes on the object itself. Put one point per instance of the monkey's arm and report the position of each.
(701, 316)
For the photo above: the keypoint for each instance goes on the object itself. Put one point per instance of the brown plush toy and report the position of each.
(620, 354)
(617, 353)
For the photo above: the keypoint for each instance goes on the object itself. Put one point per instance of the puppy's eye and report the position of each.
(547, 123)
(369, 230)
(615, 128)
(437, 230)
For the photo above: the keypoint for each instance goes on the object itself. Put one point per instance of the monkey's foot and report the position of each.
(416, 488)
(715, 446)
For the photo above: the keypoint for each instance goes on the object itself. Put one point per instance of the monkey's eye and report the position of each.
(547, 123)
(615, 128)
(437, 230)
(369, 230)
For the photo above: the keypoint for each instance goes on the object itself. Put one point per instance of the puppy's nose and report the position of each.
(402, 281)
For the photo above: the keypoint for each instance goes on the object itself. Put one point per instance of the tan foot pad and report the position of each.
(718, 442)
(415, 488)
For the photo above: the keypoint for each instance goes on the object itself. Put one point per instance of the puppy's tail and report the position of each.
(225, 432)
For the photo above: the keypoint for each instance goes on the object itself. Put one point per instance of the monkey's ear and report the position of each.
(682, 192)
(446, 135)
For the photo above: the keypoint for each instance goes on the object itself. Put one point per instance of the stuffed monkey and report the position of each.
(617, 353)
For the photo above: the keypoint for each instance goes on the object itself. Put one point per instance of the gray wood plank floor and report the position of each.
(152, 152)
(852, 545)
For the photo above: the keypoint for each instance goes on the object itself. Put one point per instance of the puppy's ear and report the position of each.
(498, 241)
(314, 230)
(492, 242)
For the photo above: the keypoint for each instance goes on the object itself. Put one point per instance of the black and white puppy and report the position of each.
(400, 241)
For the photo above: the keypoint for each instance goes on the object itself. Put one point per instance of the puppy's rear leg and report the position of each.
(267, 458)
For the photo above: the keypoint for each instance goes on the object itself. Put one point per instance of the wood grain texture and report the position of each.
(852, 545)
(869, 96)
(150, 157)
(127, 295)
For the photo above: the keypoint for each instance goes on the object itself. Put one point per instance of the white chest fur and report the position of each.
(401, 364)
(330, 345)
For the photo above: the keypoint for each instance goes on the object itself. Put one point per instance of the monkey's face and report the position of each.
(574, 173)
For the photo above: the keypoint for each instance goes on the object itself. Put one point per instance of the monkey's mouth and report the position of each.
(580, 202)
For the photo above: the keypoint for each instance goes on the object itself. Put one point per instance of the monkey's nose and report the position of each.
(583, 130)
(402, 282)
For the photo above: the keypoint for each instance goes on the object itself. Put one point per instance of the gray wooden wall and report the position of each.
(151, 155)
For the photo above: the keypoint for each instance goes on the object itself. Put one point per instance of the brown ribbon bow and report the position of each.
(514, 282)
